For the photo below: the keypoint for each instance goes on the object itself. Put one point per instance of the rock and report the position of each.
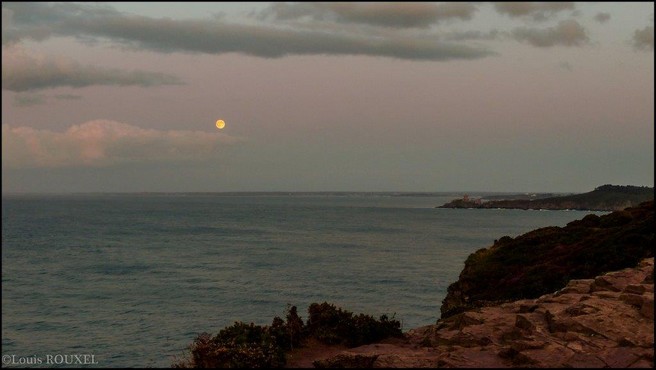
(642, 363)
(511, 335)
(632, 299)
(584, 360)
(619, 357)
(635, 289)
(602, 283)
(346, 361)
(461, 321)
(581, 309)
(582, 286)
(524, 324)
(515, 357)
(456, 358)
(606, 294)
(526, 308)
(564, 329)
(552, 325)
(521, 345)
(647, 308)
(544, 260)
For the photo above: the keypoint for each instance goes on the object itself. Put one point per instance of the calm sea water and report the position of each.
(133, 279)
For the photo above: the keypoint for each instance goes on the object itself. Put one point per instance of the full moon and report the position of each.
(220, 124)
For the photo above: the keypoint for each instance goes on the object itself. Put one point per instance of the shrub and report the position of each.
(288, 334)
(252, 346)
(332, 325)
(615, 219)
(238, 346)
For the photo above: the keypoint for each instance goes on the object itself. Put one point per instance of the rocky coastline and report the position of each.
(544, 260)
(602, 198)
(607, 321)
(577, 296)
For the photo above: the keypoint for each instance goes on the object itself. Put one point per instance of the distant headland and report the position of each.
(603, 198)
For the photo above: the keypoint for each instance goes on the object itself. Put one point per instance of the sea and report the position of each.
(132, 279)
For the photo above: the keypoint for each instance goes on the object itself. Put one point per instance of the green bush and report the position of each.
(238, 346)
(252, 346)
(332, 325)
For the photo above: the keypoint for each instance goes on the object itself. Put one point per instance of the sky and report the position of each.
(420, 97)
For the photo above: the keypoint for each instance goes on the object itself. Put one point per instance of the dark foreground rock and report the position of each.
(606, 321)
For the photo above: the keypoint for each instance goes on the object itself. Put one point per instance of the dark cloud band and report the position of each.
(22, 72)
(385, 14)
(213, 36)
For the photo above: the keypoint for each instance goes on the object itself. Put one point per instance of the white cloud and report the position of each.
(104, 143)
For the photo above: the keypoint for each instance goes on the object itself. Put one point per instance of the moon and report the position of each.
(220, 124)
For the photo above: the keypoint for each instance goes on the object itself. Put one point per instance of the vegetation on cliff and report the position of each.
(602, 198)
(544, 260)
(253, 346)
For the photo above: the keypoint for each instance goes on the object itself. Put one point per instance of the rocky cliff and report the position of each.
(607, 321)
(544, 260)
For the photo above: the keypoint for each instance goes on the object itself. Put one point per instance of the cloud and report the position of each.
(567, 33)
(39, 21)
(539, 11)
(644, 39)
(23, 72)
(566, 66)
(67, 97)
(28, 100)
(385, 14)
(473, 35)
(602, 17)
(214, 36)
(105, 143)
(12, 33)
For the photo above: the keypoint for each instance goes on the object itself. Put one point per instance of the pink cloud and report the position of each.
(104, 143)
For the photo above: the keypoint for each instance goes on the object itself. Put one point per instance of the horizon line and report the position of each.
(283, 192)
